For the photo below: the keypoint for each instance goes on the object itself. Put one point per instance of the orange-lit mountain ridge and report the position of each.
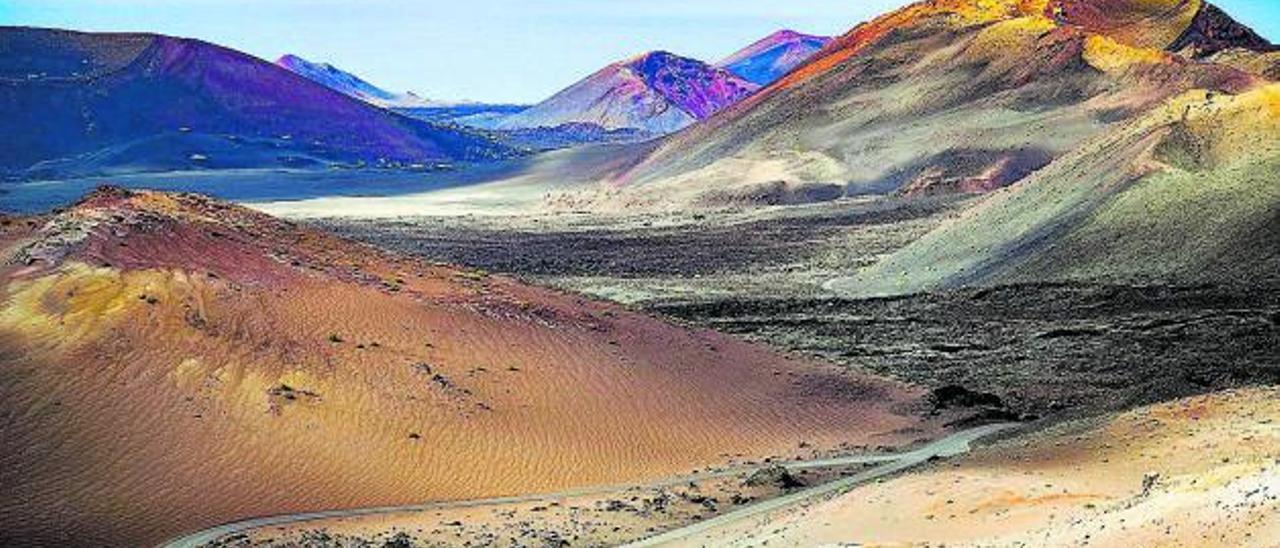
(952, 95)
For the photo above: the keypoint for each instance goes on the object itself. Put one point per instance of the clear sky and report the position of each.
(490, 50)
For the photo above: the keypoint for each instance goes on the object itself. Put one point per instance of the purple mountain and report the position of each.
(73, 102)
(774, 56)
(657, 93)
(351, 85)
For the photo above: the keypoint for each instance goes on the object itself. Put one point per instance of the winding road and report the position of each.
(955, 444)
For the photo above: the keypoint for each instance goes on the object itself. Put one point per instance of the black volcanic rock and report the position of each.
(959, 397)
(776, 476)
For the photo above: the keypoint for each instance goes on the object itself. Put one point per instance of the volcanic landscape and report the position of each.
(974, 273)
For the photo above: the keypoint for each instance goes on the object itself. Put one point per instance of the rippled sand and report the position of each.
(171, 363)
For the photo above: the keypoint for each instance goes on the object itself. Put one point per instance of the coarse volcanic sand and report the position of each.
(1203, 471)
(611, 518)
(171, 363)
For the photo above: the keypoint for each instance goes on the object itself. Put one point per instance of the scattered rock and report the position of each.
(959, 397)
(290, 393)
(1069, 333)
(442, 380)
(774, 476)
(400, 540)
(616, 506)
(658, 503)
(1149, 482)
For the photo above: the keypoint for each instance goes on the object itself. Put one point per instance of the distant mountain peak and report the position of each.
(291, 59)
(691, 85)
(657, 55)
(773, 56)
(349, 84)
(1213, 30)
(788, 34)
(656, 92)
(1176, 25)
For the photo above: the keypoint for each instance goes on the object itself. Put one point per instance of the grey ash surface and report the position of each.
(1041, 348)
(1046, 349)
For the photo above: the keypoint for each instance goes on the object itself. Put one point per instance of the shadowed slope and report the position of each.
(170, 363)
(138, 102)
(1155, 24)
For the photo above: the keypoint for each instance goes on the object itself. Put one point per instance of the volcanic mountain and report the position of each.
(657, 92)
(954, 96)
(74, 103)
(351, 85)
(773, 56)
(169, 362)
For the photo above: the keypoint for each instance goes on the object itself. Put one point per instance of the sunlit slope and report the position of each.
(1266, 65)
(1143, 23)
(1187, 194)
(944, 96)
(170, 363)
(1194, 472)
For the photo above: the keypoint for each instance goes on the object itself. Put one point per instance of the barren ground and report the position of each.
(153, 345)
(1073, 355)
(598, 520)
(1200, 471)
(1044, 349)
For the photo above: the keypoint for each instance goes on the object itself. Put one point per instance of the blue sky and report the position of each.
(491, 50)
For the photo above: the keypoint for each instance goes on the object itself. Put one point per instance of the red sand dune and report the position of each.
(168, 362)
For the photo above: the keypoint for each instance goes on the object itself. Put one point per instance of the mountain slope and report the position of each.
(80, 102)
(1154, 24)
(941, 96)
(657, 92)
(169, 363)
(1184, 195)
(349, 84)
(773, 56)
(1198, 471)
